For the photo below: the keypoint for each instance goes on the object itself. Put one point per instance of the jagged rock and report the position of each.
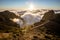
(54, 22)
(8, 26)
(5, 19)
(49, 30)
(48, 15)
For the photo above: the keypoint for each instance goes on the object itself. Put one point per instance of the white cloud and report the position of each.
(31, 18)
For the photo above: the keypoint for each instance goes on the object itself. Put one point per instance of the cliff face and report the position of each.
(53, 25)
(8, 27)
(54, 22)
(5, 21)
(49, 15)
(49, 28)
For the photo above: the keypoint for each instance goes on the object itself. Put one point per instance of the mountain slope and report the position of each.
(47, 30)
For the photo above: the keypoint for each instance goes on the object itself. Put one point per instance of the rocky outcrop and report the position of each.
(5, 21)
(53, 25)
(8, 26)
(48, 15)
(48, 30)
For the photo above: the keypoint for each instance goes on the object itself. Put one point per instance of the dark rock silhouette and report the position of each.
(53, 25)
(48, 15)
(54, 22)
(5, 22)
(49, 30)
(8, 26)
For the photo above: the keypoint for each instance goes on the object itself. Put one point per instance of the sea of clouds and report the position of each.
(29, 18)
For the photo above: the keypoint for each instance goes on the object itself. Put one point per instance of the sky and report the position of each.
(24, 4)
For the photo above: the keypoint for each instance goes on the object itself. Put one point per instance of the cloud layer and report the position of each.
(31, 18)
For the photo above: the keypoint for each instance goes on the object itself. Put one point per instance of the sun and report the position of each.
(31, 7)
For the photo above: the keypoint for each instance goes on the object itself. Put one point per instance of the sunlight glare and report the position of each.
(15, 20)
(31, 7)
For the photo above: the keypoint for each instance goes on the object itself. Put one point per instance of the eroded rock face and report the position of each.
(8, 26)
(54, 22)
(49, 15)
(54, 25)
(8, 14)
(48, 31)
(5, 22)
